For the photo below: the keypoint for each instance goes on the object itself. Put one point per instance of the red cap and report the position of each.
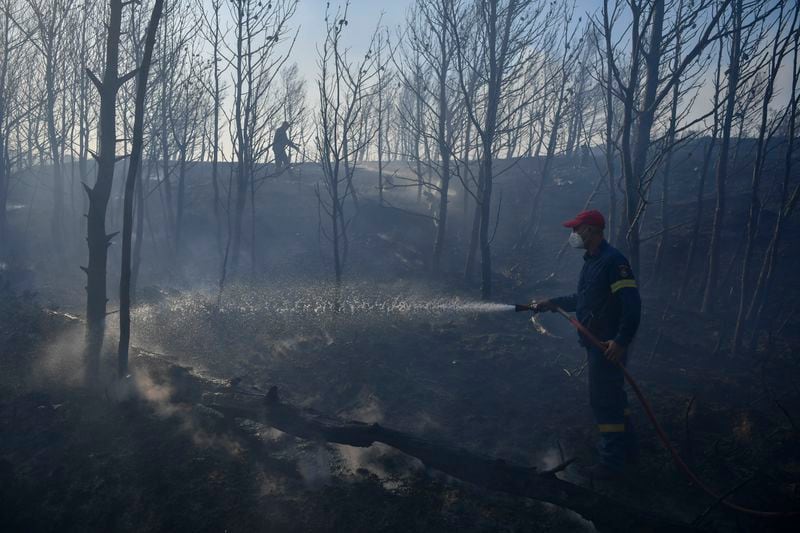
(592, 217)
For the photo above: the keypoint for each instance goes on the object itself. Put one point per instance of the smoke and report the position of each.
(380, 460)
(551, 458)
(159, 395)
(368, 410)
(61, 360)
(424, 423)
(314, 466)
(317, 463)
(287, 346)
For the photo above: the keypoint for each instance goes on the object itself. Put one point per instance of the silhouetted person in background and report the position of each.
(279, 144)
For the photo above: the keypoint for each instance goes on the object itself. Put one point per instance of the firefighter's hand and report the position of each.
(545, 305)
(614, 351)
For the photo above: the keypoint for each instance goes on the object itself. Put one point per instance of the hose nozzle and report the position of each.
(518, 308)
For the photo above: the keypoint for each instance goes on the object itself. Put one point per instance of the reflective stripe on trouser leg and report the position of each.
(609, 401)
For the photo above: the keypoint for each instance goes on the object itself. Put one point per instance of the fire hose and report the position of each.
(662, 435)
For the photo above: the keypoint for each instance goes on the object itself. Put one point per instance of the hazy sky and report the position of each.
(364, 15)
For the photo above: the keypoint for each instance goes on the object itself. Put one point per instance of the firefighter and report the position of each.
(607, 303)
(279, 144)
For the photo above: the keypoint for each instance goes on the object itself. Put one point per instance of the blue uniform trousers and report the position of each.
(609, 404)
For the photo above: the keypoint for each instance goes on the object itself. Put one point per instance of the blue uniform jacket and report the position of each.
(607, 301)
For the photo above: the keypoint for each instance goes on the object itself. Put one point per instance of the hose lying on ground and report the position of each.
(648, 409)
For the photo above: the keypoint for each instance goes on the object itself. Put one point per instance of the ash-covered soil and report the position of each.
(392, 346)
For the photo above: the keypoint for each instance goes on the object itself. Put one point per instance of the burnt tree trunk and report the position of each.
(240, 142)
(609, 133)
(4, 166)
(546, 166)
(3, 195)
(181, 198)
(130, 184)
(707, 157)
(444, 148)
(381, 89)
(787, 203)
(495, 75)
(97, 239)
(606, 513)
(215, 141)
(631, 199)
(663, 243)
(141, 213)
(722, 162)
(779, 50)
(634, 182)
(472, 250)
(57, 220)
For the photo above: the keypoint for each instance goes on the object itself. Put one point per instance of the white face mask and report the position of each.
(576, 241)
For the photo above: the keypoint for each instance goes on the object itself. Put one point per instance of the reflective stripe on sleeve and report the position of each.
(623, 284)
(611, 428)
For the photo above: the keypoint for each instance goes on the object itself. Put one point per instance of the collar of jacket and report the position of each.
(600, 249)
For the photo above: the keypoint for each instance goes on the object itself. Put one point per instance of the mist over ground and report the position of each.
(258, 298)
